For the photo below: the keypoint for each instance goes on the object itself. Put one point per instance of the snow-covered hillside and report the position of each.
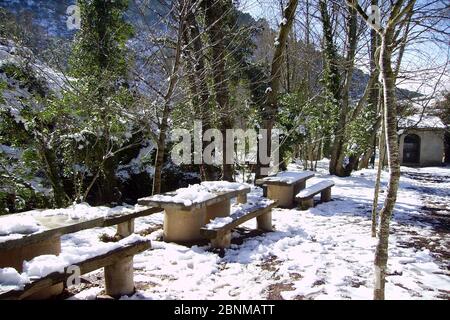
(24, 76)
(49, 15)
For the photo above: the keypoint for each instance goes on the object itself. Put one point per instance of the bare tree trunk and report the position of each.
(161, 151)
(173, 79)
(381, 156)
(390, 125)
(373, 137)
(51, 170)
(337, 149)
(271, 103)
(388, 77)
(287, 58)
(198, 83)
(330, 69)
(215, 12)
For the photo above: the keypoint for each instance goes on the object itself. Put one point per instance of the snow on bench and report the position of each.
(305, 196)
(47, 270)
(23, 229)
(218, 230)
(314, 189)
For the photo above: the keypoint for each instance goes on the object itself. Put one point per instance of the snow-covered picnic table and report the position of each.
(285, 185)
(186, 210)
(24, 236)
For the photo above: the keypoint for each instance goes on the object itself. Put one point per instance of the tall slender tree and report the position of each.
(270, 107)
(98, 61)
(180, 13)
(399, 10)
(216, 14)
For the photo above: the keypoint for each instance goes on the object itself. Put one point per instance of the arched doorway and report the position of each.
(411, 149)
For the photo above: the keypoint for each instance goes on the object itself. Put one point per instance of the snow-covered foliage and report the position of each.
(141, 163)
(53, 128)
(24, 75)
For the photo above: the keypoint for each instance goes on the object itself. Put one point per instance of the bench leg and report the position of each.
(242, 198)
(119, 280)
(307, 203)
(283, 194)
(222, 242)
(126, 228)
(264, 221)
(325, 196)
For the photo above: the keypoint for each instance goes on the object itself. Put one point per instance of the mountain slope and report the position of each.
(50, 17)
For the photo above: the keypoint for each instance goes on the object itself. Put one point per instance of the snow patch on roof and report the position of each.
(421, 122)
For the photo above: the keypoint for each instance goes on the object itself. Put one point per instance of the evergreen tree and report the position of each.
(101, 95)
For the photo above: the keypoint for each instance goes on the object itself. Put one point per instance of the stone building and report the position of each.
(422, 141)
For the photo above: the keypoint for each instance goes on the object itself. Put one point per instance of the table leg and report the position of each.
(242, 198)
(299, 186)
(284, 195)
(219, 209)
(183, 226)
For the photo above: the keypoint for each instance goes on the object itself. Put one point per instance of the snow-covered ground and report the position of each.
(325, 252)
(322, 253)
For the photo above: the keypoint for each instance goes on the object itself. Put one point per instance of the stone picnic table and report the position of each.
(187, 210)
(39, 233)
(24, 236)
(285, 185)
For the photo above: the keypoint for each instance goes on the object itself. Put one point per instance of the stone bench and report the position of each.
(218, 231)
(118, 264)
(306, 197)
